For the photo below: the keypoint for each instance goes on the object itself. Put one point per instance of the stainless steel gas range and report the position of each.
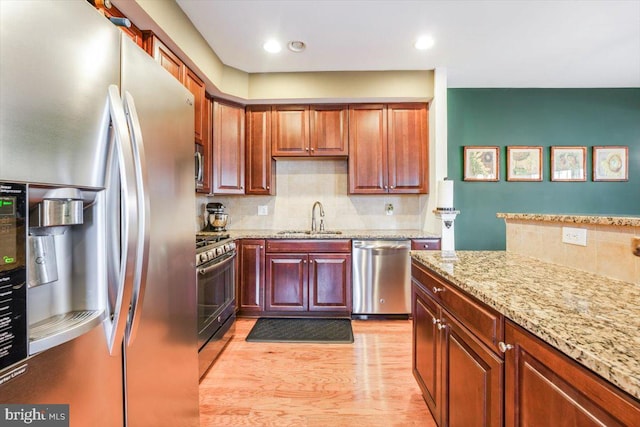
(215, 270)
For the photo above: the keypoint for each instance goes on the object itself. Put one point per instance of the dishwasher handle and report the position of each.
(381, 245)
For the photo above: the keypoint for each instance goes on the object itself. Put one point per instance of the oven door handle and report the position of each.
(217, 264)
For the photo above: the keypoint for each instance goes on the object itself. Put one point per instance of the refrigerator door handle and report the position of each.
(122, 234)
(142, 252)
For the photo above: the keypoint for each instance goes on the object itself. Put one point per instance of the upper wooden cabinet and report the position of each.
(329, 130)
(228, 148)
(303, 130)
(388, 149)
(260, 166)
(164, 56)
(197, 88)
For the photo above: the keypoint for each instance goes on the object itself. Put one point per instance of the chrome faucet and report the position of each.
(313, 217)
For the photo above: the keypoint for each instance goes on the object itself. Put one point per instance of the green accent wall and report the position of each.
(539, 117)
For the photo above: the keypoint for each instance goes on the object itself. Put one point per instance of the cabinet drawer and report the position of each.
(308, 245)
(425, 244)
(486, 323)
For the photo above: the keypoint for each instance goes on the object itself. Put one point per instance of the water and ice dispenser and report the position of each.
(49, 270)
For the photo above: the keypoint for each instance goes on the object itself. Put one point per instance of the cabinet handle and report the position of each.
(504, 347)
(436, 290)
(441, 326)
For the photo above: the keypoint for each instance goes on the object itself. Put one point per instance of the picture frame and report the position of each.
(568, 163)
(524, 163)
(610, 163)
(481, 163)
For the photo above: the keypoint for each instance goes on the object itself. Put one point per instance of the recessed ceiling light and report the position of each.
(296, 46)
(424, 42)
(272, 46)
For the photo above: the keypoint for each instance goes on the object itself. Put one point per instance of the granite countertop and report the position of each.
(629, 221)
(346, 234)
(592, 319)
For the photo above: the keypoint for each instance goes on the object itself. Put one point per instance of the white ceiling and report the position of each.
(505, 43)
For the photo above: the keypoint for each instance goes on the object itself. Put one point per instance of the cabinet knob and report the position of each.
(426, 246)
(312, 149)
(441, 326)
(268, 188)
(304, 261)
(436, 290)
(504, 347)
(392, 187)
(435, 321)
(261, 247)
(386, 187)
(306, 149)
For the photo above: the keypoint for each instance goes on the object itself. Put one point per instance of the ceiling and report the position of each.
(505, 43)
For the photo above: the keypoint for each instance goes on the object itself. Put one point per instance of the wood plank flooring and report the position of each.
(366, 383)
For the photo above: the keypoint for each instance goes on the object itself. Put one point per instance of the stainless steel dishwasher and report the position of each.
(381, 277)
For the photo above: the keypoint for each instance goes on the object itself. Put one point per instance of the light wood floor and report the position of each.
(367, 383)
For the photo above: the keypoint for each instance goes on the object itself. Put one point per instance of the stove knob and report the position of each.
(219, 250)
(232, 245)
(204, 257)
(212, 254)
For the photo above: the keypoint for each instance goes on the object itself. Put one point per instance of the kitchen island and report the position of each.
(591, 319)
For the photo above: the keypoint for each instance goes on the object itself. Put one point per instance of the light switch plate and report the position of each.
(263, 210)
(574, 236)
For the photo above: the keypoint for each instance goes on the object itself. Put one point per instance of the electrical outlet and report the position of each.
(263, 210)
(574, 236)
(388, 208)
(635, 246)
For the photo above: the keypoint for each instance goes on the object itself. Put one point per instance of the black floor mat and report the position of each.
(309, 330)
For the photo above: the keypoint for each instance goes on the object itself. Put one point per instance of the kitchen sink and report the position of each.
(309, 232)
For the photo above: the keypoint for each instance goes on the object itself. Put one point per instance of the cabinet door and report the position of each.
(251, 267)
(330, 282)
(472, 379)
(164, 56)
(329, 130)
(408, 146)
(427, 365)
(545, 387)
(197, 88)
(260, 165)
(290, 130)
(367, 149)
(228, 148)
(286, 282)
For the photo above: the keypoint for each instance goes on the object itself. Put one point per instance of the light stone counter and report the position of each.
(626, 221)
(592, 319)
(346, 234)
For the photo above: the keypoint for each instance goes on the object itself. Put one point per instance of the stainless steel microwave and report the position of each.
(199, 163)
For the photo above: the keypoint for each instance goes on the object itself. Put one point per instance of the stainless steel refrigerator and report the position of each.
(97, 207)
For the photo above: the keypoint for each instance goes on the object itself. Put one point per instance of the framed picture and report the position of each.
(568, 163)
(611, 163)
(481, 164)
(524, 163)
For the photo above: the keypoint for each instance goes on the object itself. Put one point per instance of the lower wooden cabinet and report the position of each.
(251, 258)
(460, 378)
(315, 279)
(546, 388)
(476, 368)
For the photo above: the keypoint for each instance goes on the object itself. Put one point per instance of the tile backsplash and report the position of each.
(608, 251)
(300, 183)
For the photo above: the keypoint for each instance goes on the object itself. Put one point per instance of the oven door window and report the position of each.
(216, 282)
